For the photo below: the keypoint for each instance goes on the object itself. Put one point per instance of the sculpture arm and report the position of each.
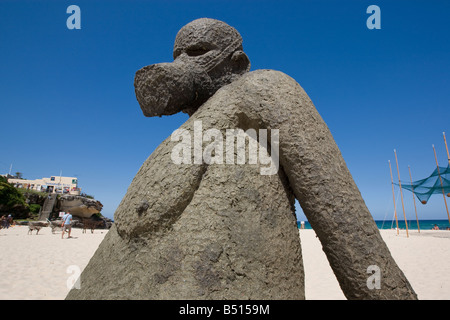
(323, 185)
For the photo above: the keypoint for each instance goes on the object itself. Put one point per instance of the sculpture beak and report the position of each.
(166, 88)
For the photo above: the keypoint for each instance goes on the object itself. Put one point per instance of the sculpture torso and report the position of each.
(214, 231)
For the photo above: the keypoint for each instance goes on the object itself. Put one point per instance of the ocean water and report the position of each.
(412, 224)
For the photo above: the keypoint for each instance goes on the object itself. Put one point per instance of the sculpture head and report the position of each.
(207, 55)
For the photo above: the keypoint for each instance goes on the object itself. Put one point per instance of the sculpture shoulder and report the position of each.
(266, 82)
(268, 74)
(269, 95)
(265, 85)
(266, 77)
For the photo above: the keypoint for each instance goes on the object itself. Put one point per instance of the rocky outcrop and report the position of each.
(100, 222)
(78, 205)
(34, 198)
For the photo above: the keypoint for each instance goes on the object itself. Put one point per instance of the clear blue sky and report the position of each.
(67, 97)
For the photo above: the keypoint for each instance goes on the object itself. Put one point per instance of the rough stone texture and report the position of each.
(79, 206)
(208, 55)
(221, 231)
(199, 232)
(322, 183)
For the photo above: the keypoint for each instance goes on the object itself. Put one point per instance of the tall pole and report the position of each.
(401, 194)
(414, 198)
(442, 184)
(448, 156)
(446, 147)
(59, 184)
(393, 195)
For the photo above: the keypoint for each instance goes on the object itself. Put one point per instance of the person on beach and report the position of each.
(435, 227)
(5, 222)
(66, 225)
(10, 220)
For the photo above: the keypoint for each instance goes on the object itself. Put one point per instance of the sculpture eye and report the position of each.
(196, 51)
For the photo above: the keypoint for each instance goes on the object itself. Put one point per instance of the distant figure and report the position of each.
(302, 224)
(5, 222)
(66, 225)
(435, 227)
(10, 220)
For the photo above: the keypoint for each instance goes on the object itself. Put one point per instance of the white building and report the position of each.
(54, 184)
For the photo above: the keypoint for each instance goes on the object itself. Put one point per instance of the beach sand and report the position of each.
(41, 266)
(424, 258)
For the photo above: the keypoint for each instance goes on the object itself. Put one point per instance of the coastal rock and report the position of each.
(78, 205)
(100, 222)
(34, 198)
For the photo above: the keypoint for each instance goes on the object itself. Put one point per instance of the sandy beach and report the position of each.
(42, 266)
(39, 266)
(423, 257)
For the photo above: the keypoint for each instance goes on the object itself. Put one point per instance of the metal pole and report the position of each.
(401, 194)
(446, 147)
(442, 184)
(393, 195)
(414, 198)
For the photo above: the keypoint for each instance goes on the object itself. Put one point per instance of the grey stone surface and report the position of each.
(199, 232)
(208, 55)
(221, 231)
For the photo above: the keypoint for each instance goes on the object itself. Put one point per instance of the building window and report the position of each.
(52, 179)
(74, 181)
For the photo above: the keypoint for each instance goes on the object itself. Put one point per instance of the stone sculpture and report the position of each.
(225, 231)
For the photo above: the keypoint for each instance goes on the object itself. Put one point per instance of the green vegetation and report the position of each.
(11, 199)
(24, 191)
(35, 208)
(34, 211)
(97, 216)
(10, 196)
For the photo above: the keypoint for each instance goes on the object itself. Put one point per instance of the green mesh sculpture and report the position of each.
(437, 183)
